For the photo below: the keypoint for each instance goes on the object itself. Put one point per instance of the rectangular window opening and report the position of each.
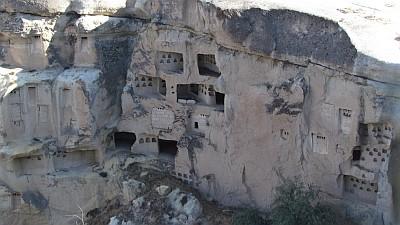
(207, 65)
(219, 98)
(356, 154)
(84, 43)
(170, 62)
(162, 87)
(188, 91)
(167, 149)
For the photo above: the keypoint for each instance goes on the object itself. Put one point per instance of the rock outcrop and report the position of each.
(229, 96)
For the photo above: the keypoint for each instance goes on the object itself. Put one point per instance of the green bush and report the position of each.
(298, 204)
(248, 217)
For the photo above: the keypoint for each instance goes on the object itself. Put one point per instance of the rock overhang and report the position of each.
(373, 26)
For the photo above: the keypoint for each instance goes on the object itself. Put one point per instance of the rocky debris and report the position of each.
(163, 190)
(185, 208)
(138, 159)
(131, 189)
(115, 221)
(138, 203)
(143, 174)
(156, 204)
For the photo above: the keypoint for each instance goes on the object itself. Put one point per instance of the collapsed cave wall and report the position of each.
(234, 100)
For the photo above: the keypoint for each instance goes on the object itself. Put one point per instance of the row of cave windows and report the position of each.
(162, 61)
(15, 91)
(384, 151)
(362, 185)
(375, 129)
(148, 140)
(206, 63)
(321, 137)
(375, 159)
(144, 79)
(18, 123)
(362, 188)
(181, 175)
(168, 58)
(379, 129)
(150, 84)
(210, 90)
(357, 154)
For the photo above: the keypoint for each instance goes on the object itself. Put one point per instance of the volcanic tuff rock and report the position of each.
(229, 96)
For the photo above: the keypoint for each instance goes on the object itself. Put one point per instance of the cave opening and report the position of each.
(188, 91)
(356, 154)
(219, 98)
(167, 149)
(208, 65)
(124, 140)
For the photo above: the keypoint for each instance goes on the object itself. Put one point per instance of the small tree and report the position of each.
(298, 204)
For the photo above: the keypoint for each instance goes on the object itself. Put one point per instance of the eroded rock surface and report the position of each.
(228, 96)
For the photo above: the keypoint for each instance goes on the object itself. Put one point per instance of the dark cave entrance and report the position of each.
(207, 65)
(167, 150)
(356, 154)
(219, 98)
(124, 140)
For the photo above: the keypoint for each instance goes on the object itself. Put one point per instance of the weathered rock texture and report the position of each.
(230, 95)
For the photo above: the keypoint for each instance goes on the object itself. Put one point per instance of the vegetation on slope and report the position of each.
(295, 204)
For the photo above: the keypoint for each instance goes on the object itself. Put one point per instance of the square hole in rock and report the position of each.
(124, 140)
(207, 65)
(170, 62)
(167, 149)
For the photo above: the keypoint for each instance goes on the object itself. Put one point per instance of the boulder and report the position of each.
(184, 203)
(132, 189)
(163, 190)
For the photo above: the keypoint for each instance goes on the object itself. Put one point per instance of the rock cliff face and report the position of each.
(229, 95)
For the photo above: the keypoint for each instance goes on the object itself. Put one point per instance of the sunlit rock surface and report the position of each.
(230, 96)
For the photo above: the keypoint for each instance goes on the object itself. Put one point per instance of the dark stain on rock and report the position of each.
(287, 32)
(36, 199)
(276, 103)
(114, 58)
(184, 200)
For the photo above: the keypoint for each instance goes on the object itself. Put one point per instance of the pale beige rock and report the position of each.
(230, 97)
